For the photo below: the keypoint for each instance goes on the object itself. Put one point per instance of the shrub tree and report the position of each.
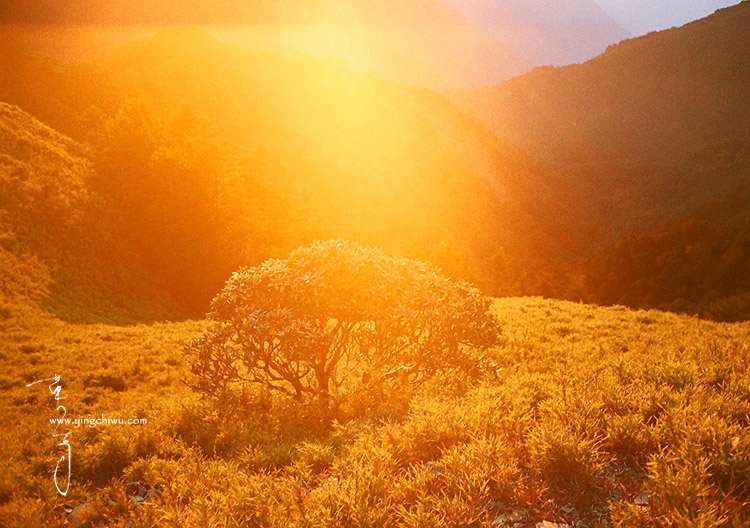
(337, 316)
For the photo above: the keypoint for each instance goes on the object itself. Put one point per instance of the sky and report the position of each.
(642, 16)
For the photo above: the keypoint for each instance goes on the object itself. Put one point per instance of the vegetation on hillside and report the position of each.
(56, 249)
(648, 138)
(687, 267)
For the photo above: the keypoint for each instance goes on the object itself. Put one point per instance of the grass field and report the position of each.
(590, 417)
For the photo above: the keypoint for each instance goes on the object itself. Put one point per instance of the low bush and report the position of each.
(336, 317)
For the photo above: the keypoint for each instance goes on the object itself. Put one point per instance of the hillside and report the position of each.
(248, 155)
(648, 135)
(55, 252)
(597, 416)
(655, 100)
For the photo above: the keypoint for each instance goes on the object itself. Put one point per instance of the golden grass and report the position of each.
(604, 415)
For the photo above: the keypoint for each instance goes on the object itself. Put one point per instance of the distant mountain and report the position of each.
(494, 38)
(643, 16)
(397, 38)
(651, 140)
(55, 251)
(221, 12)
(545, 32)
(627, 126)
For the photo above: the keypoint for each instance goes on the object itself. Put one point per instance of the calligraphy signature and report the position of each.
(56, 389)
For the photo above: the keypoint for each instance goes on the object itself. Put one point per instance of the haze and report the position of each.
(642, 16)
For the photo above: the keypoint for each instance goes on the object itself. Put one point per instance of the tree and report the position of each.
(337, 316)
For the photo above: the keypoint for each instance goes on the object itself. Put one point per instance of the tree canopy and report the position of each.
(336, 316)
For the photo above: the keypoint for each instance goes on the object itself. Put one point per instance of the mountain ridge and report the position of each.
(651, 140)
(647, 106)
